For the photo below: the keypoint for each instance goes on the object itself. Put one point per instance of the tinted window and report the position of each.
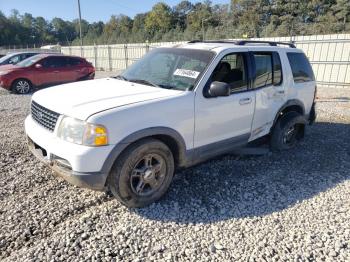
(263, 64)
(231, 70)
(54, 62)
(277, 69)
(72, 61)
(301, 68)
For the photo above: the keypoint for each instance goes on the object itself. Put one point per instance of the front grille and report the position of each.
(44, 116)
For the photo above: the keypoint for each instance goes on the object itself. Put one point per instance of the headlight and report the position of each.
(82, 133)
(3, 73)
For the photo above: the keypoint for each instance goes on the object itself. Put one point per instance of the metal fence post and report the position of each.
(126, 55)
(109, 58)
(95, 55)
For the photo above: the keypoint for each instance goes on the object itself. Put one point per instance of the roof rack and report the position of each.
(244, 42)
(271, 43)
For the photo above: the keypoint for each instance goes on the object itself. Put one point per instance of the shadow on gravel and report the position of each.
(239, 187)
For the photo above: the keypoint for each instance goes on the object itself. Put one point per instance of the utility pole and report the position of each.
(203, 28)
(81, 35)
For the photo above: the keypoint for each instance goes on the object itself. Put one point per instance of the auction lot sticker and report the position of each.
(186, 73)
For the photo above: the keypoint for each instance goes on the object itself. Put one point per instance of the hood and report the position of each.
(85, 98)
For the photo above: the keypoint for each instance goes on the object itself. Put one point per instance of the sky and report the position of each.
(92, 10)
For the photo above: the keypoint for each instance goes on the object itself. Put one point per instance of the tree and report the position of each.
(180, 11)
(159, 19)
(341, 11)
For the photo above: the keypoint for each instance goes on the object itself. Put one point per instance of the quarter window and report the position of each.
(301, 68)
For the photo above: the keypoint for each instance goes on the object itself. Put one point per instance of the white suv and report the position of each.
(172, 109)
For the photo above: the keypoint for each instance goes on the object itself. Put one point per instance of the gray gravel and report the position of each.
(289, 206)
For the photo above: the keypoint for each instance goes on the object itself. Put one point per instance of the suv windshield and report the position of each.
(172, 68)
(29, 61)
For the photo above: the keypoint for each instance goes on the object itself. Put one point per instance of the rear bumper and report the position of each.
(312, 115)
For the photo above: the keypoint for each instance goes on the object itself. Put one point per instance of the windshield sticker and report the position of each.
(186, 73)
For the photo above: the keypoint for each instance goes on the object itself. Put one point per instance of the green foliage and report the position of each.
(185, 21)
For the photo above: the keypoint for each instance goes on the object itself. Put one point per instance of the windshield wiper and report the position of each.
(143, 81)
(120, 77)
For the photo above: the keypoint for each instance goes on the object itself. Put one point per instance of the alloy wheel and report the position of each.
(148, 175)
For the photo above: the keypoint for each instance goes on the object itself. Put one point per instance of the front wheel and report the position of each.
(288, 130)
(21, 86)
(142, 174)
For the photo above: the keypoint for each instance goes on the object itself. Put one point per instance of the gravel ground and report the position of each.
(289, 206)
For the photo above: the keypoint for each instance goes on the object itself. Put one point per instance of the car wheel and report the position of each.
(22, 86)
(288, 130)
(142, 174)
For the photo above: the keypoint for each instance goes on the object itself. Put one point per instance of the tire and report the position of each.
(21, 86)
(142, 174)
(288, 130)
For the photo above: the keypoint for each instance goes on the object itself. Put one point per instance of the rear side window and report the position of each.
(72, 61)
(268, 69)
(301, 68)
(263, 65)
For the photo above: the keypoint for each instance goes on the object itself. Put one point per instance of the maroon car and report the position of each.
(44, 70)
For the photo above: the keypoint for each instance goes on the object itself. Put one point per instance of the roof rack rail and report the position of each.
(244, 42)
(271, 43)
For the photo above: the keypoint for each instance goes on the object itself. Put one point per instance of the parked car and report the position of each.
(44, 70)
(14, 58)
(174, 108)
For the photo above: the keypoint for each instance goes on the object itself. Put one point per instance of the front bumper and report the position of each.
(79, 165)
(5, 82)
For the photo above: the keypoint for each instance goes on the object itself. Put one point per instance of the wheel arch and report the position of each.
(21, 78)
(168, 136)
(289, 106)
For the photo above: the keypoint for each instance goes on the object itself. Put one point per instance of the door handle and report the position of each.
(245, 101)
(280, 92)
(56, 72)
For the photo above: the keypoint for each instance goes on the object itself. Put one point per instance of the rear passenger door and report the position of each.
(75, 69)
(270, 90)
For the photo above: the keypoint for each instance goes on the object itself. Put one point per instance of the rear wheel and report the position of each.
(142, 174)
(288, 130)
(22, 86)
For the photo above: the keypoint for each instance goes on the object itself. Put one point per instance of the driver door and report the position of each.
(222, 123)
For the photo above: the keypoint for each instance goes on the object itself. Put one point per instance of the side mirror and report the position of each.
(10, 62)
(37, 66)
(219, 89)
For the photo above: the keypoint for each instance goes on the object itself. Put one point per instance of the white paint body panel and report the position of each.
(222, 118)
(125, 108)
(85, 98)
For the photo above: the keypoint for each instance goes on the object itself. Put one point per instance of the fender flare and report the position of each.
(143, 133)
(291, 102)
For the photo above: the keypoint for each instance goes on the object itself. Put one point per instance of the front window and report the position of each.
(172, 68)
(5, 58)
(29, 61)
